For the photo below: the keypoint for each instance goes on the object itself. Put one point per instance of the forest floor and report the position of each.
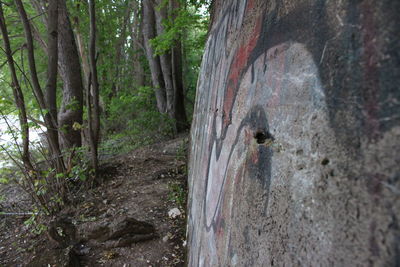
(140, 188)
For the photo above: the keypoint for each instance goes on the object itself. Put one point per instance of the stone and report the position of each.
(122, 232)
(173, 213)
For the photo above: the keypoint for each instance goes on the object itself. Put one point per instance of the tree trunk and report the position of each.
(52, 54)
(50, 124)
(165, 59)
(181, 123)
(149, 32)
(120, 46)
(180, 117)
(81, 50)
(18, 95)
(94, 119)
(137, 43)
(171, 65)
(70, 71)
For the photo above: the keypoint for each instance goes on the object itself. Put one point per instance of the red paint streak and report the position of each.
(371, 75)
(375, 186)
(239, 178)
(279, 75)
(220, 226)
(248, 136)
(237, 68)
(254, 157)
(250, 5)
(228, 103)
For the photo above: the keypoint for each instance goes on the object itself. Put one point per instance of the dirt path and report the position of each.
(139, 185)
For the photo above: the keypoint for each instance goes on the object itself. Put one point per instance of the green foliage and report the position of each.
(73, 105)
(133, 119)
(187, 25)
(80, 167)
(33, 224)
(177, 193)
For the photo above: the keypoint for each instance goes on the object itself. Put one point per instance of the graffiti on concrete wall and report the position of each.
(273, 130)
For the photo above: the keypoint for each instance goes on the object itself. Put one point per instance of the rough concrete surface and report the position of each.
(296, 136)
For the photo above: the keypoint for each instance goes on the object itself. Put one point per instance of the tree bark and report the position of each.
(165, 59)
(71, 109)
(179, 97)
(81, 50)
(180, 117)
(137, 43)
(70, 71)
(52, 54)
(166, 69)
(149, 32)
(95, 126)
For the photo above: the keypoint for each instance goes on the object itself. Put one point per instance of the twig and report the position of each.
(17, 213)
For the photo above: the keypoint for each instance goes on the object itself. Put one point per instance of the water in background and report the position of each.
(7, 139)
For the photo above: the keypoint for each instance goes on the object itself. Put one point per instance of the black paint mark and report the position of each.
(325, 162)
(262, 136)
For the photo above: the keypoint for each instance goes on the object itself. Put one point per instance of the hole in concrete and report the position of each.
(262, 136)
(325, 161)
(299, 152)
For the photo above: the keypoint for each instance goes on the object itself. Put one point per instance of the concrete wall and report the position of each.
(295, 144)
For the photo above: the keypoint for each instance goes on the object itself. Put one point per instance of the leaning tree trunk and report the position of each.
(70, 114)
(165, 59)
(81, 50)
(166, 69)
(50, 123)
(149, 32)
(18, 95)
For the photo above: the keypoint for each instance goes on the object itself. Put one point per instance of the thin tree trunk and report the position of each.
(81, 50)
(52, 54)
(120, 50)
(38, 38)
(18, 95)
(179, 97)
(50, 124)
(31, 56)
(180, 117)
(95, 86)
(91, 141)
(137, 43)
(166, 67)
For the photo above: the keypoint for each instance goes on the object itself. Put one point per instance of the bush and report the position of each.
(133, 120)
